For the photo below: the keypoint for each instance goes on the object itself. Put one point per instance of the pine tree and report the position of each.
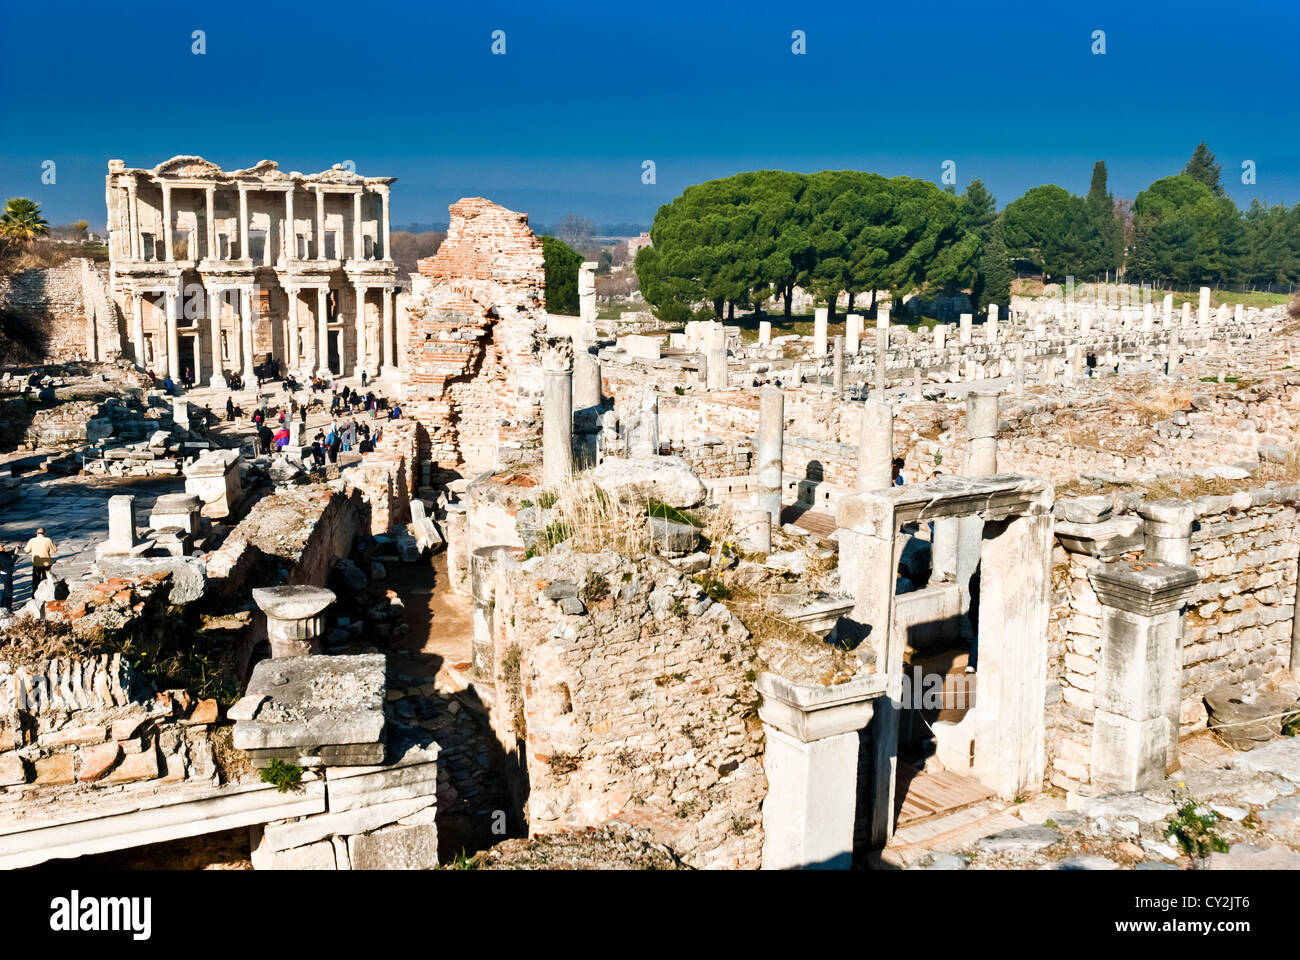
(995, 270)
(1201, 166)
(1109, 237)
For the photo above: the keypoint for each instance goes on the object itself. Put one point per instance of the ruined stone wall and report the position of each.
(1239, 617)
(1073, 644)
(472, 323)
(386, 479)
(639, 709)
(51, 298)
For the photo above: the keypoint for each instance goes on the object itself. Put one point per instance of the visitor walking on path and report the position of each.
(43, 552)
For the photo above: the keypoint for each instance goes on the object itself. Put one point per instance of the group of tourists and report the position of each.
(42, 551)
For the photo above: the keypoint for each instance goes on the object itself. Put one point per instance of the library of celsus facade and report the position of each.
(217, 272)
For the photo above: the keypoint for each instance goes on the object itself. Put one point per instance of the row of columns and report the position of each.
(288, 230)
(316, 357)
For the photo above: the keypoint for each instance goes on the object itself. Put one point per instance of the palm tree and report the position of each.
(21, 221)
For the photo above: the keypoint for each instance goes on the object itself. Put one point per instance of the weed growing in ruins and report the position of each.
(464, 861)
(546, 499)
(740, 825)
(283, 776)
(594, 589)
(654, 508)
(679, 390)
(685, 810)
(562, 763)
(714, 588)
(1194, 832)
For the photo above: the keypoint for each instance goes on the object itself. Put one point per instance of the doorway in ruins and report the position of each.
(332, 338)
(947, 739)
(186, 346)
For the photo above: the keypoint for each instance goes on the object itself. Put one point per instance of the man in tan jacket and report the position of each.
(43, 551)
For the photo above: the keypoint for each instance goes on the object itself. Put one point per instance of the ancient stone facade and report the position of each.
(219, 271)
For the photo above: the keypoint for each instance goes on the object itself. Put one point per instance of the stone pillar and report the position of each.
(173, 346)
(384, 193)
(167, 221)
(246, 335)
(320, 224)
(211, 225)
(991, 325)
(587, 294)
(820, 320)
(1173, 354)
(1167, 531)
(587, 389)
(243, 222)
(218, 379)
(1076, 362)
(837, 364)
(121, 523)
(322, 333)
(358, 244)
(965, 329)
(1139, 672)
(811, 765)
(1168, 307)
(388, 339)
(940, 337)
(882, 323)
(764, 333)
(181, 412)
(1203, 314)
(1020, 370)
(1187, 314)
(295, 361)
(482, 584)
(715, 358)
(876, 445)
(134, 218)
(769, 447)
(643, 433)
(853, 333)
(1148, 316)
(137, 328)
(290, 235)
(295, 618)
(1238, 313)
(557, 410)
(363, 349)
(981, 434)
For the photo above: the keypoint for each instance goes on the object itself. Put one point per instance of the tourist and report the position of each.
(281, 438)
(363, 377)
(169, 386)
(302, 414)
(335, 441)
(188, 378)
(43, 551)
(264, 438)
(1092, 364)
(318, 449)
(230, 409)
(8, 559)
(397, 412)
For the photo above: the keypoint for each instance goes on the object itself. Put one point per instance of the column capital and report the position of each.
(1145, 589)
(807, 712)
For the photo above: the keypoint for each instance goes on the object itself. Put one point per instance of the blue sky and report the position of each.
(1010, 91)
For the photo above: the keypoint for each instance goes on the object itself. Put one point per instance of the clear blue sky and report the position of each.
(1010, 91)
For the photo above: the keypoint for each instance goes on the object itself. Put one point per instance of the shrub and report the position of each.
(284, 776)
(1195, 832)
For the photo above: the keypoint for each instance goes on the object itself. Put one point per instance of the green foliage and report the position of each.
(561, 263)
(1195, 832)
(555, 533)
(547, 499)
(1183, 232)
(594, 589)
(463, 861)
(1202, 168)
(283, 776)
(1054, 231)
(995, 271)
(654, 508)
(21, 221)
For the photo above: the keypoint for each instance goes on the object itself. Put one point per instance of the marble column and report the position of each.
(940, 337)
(557, 410)
(322, 333)
(769, 448)
(363, 348)
(290, 237)
(358, 252)
(764, 333)
(246, 320)
(715, 358)
(134, 221)
(837, 364)
(294, 337)
(320, 224)
(853, 333)
(991, 324)
(964, 329)
(137, 328)
(1020, 369)
(383, 193)
(1203, 314)
(587, 295)
(876, 445)
(167, 221)
(820, 325)
(587, 388)
(981, 434)
(211, 225)
(173, 344)
(294, 618)
(1139, 677)
(218, 378)
(1173, 354)
(389, 338)
(243, 223)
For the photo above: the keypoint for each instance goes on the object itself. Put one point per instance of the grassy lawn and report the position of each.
(1034, 288)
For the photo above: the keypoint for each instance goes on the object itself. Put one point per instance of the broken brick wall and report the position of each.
(476, 310)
